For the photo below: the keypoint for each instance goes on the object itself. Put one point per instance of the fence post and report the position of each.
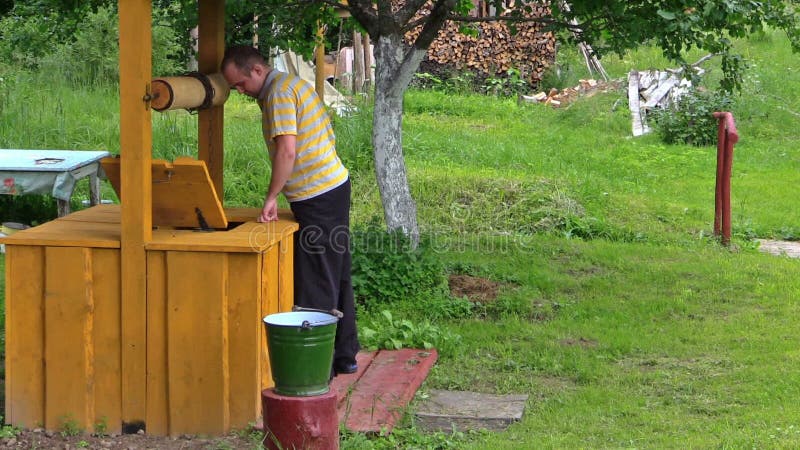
(727, 136)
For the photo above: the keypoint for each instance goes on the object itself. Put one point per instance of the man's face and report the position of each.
(248, 84)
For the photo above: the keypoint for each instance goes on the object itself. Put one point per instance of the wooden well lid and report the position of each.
(183, 194)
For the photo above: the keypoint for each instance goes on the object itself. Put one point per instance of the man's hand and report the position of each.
(270, 211)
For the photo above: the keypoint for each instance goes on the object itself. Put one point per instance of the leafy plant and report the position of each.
(511, 83)
(387, 270)
(8, 431)
(101, 427)
(691, 121)
(70, 427)
(393, 334)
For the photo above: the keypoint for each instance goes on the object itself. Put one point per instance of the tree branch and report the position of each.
(435, 21)
(408, 11)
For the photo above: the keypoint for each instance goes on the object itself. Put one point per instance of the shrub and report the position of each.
(387, 270)
(28, 209)
(691, 120)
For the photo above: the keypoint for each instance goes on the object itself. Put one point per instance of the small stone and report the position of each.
(106, 444)
(38, 430)
(49, 434)
(11, 442)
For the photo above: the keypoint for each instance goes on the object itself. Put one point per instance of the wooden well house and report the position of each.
(147, 315)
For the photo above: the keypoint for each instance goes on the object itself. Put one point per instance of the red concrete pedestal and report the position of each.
(300, 422)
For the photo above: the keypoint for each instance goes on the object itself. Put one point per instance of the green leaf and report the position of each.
(668, 15)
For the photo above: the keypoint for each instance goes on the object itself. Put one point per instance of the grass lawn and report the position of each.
(623, 320)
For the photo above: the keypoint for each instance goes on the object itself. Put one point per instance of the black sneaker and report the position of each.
(345, 367)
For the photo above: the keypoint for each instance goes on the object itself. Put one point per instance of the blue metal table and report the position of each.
(53, 172)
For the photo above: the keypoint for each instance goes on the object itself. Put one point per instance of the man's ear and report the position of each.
(258, 70)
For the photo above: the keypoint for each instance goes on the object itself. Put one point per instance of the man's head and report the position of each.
(244, 69)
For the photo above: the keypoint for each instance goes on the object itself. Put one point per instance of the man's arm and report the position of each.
(282, 166)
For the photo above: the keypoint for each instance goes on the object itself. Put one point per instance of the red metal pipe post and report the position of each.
(727, 137)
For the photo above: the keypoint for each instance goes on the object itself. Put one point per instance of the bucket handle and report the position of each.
(334, 312)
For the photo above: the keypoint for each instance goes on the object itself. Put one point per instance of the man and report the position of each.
(309, 173)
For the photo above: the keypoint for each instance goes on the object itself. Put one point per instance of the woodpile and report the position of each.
(559, 98)
(494, 50)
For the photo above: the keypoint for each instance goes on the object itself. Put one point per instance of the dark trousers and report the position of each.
(322, 263)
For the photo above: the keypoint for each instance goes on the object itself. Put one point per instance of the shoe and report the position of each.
(340, 367)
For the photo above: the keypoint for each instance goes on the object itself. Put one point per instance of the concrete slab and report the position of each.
(780, 248)
(444, 410)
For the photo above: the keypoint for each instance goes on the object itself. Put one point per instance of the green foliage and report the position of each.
(83, 48)
(354, 138)
(389, 333)
(511, 84)
(101, 427)
(30, 209)
(404, 438)
(8, 431)
(387, 270)
(451, 82)
(692, 121)
(91, 54)
(70, 427)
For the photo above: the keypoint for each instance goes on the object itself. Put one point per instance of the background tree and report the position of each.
(608, 26)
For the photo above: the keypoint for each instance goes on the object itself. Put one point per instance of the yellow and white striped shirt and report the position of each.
(290, 106)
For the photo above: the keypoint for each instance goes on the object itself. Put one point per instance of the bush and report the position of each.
(82, 47)
(28, 209)
(691, 121)
(387, 270)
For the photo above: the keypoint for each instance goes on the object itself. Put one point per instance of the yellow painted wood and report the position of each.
(106, 281)
(244, 330)
(211, 48)
(69, 233)
(135, 68)
(319, 59)
(179, 189)
(69, 342)
(286, 274)
(157, 372)
(197, 335)
(269, 305)
(24, 308)
(105, 213)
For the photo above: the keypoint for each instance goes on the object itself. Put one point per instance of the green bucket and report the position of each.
(301, 351)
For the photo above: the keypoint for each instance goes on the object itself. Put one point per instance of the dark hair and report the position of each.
(244, 57)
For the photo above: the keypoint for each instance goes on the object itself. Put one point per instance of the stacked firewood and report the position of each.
(585, 88)
(494, 50)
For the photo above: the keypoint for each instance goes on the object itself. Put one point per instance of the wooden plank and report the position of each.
(69, 344)
(342, 384)
(269, 305)
(157, 405)
(69, 234)
(286, 274)
(106, 213)
(135, 72)
(244, 338)
(24, 310)
(211, 48)
(215, 241)
(375, 405)
(107, 340)
(197, 347)
(179, 190)
(251, 214)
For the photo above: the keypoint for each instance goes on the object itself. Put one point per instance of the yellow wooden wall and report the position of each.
(207, 358)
